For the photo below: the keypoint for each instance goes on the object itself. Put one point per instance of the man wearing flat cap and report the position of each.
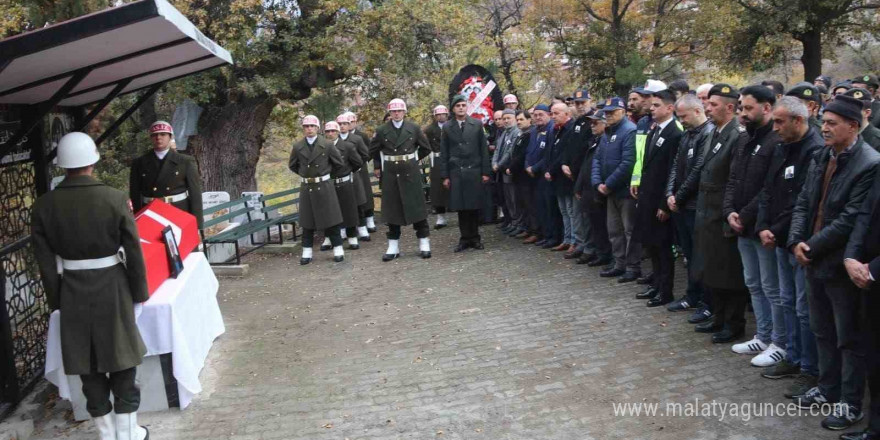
(167, 175)
(870, 134)
(836, 185)
(464, 166)
(717, 263)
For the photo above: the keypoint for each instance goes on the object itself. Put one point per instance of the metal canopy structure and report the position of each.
(87, 61)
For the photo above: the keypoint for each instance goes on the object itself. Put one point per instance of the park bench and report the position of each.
(258, 217)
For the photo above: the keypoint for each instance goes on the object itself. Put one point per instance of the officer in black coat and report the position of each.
(653, 222)
(837, 183)
(165, 174)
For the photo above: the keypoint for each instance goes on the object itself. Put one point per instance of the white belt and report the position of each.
(169, 199)
(343, 179)
(433, 155)
(400, 158)
(94, 263)
(323, 178)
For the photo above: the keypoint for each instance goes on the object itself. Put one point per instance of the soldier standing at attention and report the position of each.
(167, 175)
(403, 202)
(347, 186)
(314, 159)
(439, 194)
(88, 250)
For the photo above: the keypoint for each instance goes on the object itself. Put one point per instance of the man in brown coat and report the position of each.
(88, 250)
(314, 160)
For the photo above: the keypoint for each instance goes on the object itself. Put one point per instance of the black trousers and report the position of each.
(663, 264)
(351, 232)
(362, 216)
(97, 386)
(837, 310)
(548, 211)
(308, 236)
(525, 198)
(421, 228)
(469, 226)
(729, 307)
(597, 210)
(872, 312)
(440, 210)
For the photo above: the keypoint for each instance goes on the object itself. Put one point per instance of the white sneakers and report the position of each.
(106, 426)
(772, 355)
(128, 429)
(754, 346)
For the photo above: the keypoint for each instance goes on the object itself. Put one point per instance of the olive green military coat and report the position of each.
(403, 200)
(178, 173)
(318, 204)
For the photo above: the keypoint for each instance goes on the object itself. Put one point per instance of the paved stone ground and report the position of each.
(512, 342)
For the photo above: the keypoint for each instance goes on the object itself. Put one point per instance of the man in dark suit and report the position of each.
(464, 166)
(653, 224)
(862, 262)
(165, 174)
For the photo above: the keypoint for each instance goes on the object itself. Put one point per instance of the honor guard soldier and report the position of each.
(397, 143)
(166, 175)
(869, 133)
(348, 187)
(370, 205)
(439, 193)
(315, 160)
(510, 102)
(88, 250)
(362, 177)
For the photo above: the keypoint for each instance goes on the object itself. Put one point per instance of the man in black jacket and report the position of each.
(741, 211)
(523, 187)
(785, 178)
(572, 161)
(681, 197)
(564, 139)
(591, 202)
(836, 185)
(863, 266)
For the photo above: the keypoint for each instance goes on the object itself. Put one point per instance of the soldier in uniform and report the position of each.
(315, 160)
(464, 167)
(167, 175)
(511, 102)
(439, 193)
(363, 185)
(871, 84)
(870, 134)
(347, 186)
(88, 250)
(809, 94)
(398, 144)
(717, 264)
(369, 206)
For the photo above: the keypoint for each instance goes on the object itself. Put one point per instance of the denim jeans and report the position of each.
(793, 290)
(571, 220)
(762, 278)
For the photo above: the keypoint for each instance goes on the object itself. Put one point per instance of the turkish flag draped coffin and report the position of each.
(151, 220)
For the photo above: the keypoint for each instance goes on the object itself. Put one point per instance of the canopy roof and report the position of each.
(104, 54)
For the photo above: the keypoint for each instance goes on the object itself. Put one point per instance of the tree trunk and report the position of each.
(812, 56)
(228, 145)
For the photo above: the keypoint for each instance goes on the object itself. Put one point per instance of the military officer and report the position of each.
(439, 193)
(362, 177)
(870, 134)
(347, 185)
(88, 250)
(464, 167)
(315, 160)
(717, 263)
(398, 143)
(872, 84)
(369, 206)
(809, 94)
(167, 175)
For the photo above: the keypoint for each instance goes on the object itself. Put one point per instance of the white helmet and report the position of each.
(510, 99)
(396, 104)
(77, 150)
(343, 118)
(311, 120)
(331, 126)
(441, 110)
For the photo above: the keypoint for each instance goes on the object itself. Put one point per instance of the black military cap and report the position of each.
(860, 94)
(846, 107)
(760, 93)
(805, 91)
(725, 90)
(845, 85)
(824, 79)
(870, 80)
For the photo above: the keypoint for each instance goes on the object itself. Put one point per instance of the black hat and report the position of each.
(846, 107)
(825, 79)
(860, 94)
(725, 90)
(760, 93)
(870, 80)
(665, 95)
(845, 85)
(598, 115)
(805, 91)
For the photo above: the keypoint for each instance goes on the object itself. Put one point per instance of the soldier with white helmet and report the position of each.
(510, 101)
(347, 186)
(364, 187)
(315, 160)
(439, 193)
(88, 251)
(397, 143)
(166, 174)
